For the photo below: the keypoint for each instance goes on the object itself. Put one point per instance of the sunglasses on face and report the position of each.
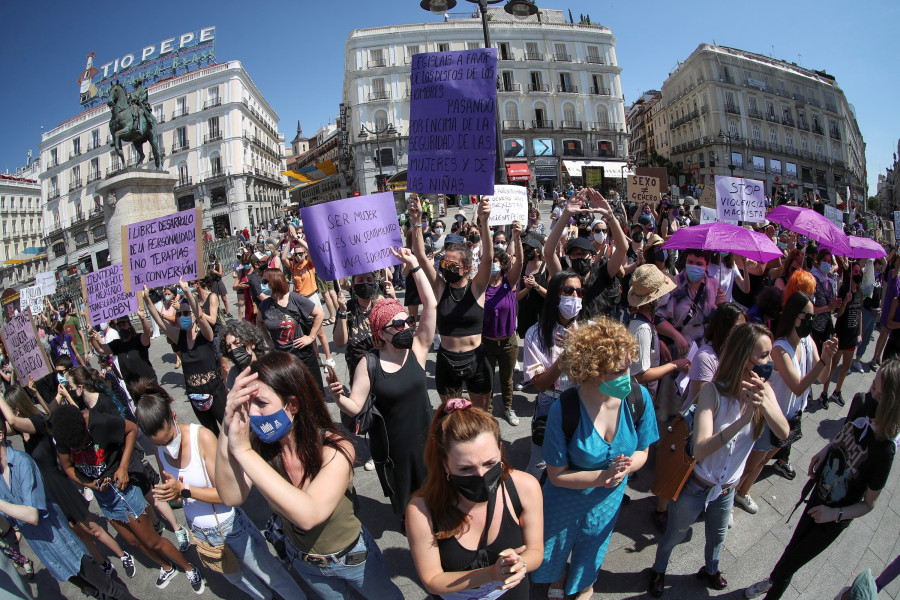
(399, 324)
(568, 290)
(451, 266)
(598, 230)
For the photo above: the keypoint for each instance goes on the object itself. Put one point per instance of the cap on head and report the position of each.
(579, 242)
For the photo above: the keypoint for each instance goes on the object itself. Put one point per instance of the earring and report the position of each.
(448, 475)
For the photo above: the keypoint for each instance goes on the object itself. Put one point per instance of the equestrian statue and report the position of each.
(132, 121)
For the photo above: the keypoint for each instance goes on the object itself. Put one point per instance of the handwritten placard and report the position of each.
(33, 298)
(708, 215)
(642, 188)
(509, 203)
(47, 281)
(708, 196)
(352, 236)
(739, 199)
(659, 174)
(160, 251)
(105, 296)
(452, 122)
(834, 215)
(25, 350)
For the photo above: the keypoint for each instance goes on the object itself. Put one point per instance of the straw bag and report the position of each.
(220, 559)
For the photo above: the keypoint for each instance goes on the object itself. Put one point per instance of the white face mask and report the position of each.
(439, 230)
(173, 448)
(599, 237)
(569, 306)
(104, 326)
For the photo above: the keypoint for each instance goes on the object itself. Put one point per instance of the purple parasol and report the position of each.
(860, 247)
(811, 224)
(724, 237)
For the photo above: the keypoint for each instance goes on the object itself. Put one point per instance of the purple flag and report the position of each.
(453, 122)
(105, 297)
(352, 236)
(160, 251)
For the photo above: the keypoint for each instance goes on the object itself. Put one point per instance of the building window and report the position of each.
(376, 58)
(503, 51)
(565, 82)
(737, 159)
(512, 111)
(213, 128)
(381, 121)
(443, 47)
(411, 51)
(181, 139)
(537, 81)
(158, 113)
(507, 81)
(804, 143)
(789, 139)
(593, 55)
(572, 148)
(180, 107)
(514, 148)
(532, 52)
(773, 136)
(569, 113)
(215, 165)
(384, 157)
(770, 110)
(759, 164)
(54, 157)
(378, 89)
(733, 128)
(756, 132)
(561, 52)
(473, 45)
(606, 149)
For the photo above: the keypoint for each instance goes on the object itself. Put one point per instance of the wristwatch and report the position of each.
(342, 314)
(186, 491)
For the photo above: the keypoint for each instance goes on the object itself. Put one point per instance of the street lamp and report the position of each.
(520, 9)
(729, 139)
(388, 131)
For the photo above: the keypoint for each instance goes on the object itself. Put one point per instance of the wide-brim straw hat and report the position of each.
(648, 284)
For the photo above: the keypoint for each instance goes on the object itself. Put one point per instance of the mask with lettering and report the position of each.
(271, 428)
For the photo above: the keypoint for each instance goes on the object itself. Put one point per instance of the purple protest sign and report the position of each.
(25, 350)
(453, 122)
(352, 236)
(160, 251)
(105, 297)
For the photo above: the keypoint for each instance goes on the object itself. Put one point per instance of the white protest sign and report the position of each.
(33, 298)
(509, 203)
(47, 281)
(708, 215)
(834, 215)
(896, 223)
(739, 199)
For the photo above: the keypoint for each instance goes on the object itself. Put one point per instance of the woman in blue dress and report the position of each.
(587, 473)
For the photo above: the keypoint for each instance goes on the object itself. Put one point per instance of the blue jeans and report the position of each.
(259, 568)
(682, 514)
(370, 578)
(868, 326)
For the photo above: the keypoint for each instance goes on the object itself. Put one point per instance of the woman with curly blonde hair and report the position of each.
(587, 471)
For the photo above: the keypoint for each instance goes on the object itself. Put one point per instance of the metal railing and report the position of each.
(595, 60)
(755, 113)
(542, 124)
(571, 125)
(534, 56)
(542, 87)
(513, 125)
(184, 181)
(509, 87)
(562, 57)
(380, 95)
(212, 103)
(567, 89)
(599, 91)
(186, 145)
(212, 137)
(375, 64)
(180, 113)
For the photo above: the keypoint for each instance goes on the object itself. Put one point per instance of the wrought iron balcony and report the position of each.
(184, 181)
(380, 95)
(534, 56)
(799, 98)
(562, 57)
(731, 108)
(595, 60)
(180, 113)
(787, 121)
(835, 134)
(770, 117)
(212, 137)
(509, 87)
(773, 147)
(542, 124)
(571, 125)
(599, 91)
(178, 147)
(543, 87)
(567, 89)
(513, 125)
(75, 184)
(212, 103)
(755, 113)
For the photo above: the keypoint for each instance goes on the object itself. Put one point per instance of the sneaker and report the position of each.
(746, 502)
(520, 387)
(370, 465)
(660, 520)
(785, 470)
(512, 418)
(823, 399)
(730, 520)
(164, 577)
(330, 362)
(856, 367)
(657, 584)
(518, 367)
(196, 580)
(87, 493)
(108, 569)
(128, 564)
(159, 527)
(758, 589)
(184, 540)
(837, 399)
(713, 581)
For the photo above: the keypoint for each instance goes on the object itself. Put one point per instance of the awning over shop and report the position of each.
(28, 254)
(611, 169)
(518, 171)
(397, 182)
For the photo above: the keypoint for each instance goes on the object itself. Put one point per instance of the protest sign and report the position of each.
(47, 281)
(708, 196)
(642, 188)
(33, 298)
(708, 215)
(835, 216)
(25, 350)
(509, 203)
(739, 199)
(659, 174)
(352, 236)
(453, 122)
(105, 297)
(160, 251)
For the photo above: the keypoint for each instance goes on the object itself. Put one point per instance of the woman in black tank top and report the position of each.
(476, 525)
(461, 358)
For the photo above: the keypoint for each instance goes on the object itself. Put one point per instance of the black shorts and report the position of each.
(452, 369)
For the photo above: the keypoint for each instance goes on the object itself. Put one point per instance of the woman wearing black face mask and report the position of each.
(470, 487)
(533, 287)
(242, 343)
(848, 329)
(398, 382)
(352, 326)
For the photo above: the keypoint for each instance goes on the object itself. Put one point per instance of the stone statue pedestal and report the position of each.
(131, 196)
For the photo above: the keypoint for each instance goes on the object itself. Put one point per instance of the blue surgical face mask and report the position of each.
(266, 289)
(764, 370)
(782, 245)
(825, 268)
(61, 379)
(495, 269)
(695, 273)
(185, 322)
(619, 387)
(271, 428)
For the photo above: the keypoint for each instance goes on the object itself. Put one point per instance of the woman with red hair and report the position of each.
(476, 526)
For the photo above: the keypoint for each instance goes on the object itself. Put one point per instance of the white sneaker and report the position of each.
(730, 520)
(370, 465)
(856, 366)
(88, 493)
(330, 362)
(518, 367)
(746, 502)
(758, 589)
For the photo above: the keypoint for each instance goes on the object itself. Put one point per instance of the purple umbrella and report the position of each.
(725, 237)
(860, 247)
(811, 224)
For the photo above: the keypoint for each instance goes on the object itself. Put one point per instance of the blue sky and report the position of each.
(294, 51)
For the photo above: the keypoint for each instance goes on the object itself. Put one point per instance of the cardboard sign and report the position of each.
(896, 222)
(453, 122)
(352, 236)
(739, 199)
(708, 215)
(25, 350)
(835, 216)
(47, 281)
(33, 298)
(105, 296)
(160, 251)
(658, 173)
(708, 196)
(509, 203)
(642, 188)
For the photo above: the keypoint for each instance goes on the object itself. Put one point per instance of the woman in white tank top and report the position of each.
(187, 462)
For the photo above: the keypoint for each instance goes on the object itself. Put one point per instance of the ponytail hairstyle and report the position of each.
(153, 406)
(460, 425)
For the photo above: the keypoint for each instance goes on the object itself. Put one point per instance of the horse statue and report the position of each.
(132, 121)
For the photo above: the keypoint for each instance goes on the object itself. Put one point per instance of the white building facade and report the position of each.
(559, 93)
(21, 225)
(216, 132)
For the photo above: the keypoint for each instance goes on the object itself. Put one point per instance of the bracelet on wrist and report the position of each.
(418, 268)
(342, 314)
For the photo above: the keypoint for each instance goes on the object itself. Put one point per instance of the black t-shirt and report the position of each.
(104, 452)
(286, 324)
(134, 358)
(601, 292)
(847, 325)
(106, 405)
(254, 281)
(39, 445)
(856, 460)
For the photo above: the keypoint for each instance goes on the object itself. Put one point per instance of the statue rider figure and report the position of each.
(140, 103)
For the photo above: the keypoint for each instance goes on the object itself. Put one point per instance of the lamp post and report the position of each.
(729, 139)
(521, 9)
(364, 133)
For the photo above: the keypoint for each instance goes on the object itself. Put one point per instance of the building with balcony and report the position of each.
(558, 91)
(322, 152)
(216, 132)
(888, 187)
(639, 118)
(21, 223)
(772, 120)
